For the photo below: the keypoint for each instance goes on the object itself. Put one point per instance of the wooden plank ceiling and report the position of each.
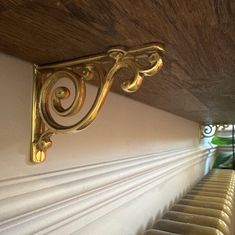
(198, 78)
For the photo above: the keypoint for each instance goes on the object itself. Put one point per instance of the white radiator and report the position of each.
(205, 210)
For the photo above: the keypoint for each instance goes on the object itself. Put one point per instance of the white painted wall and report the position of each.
(124, 129)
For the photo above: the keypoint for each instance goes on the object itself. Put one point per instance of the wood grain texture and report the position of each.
(198, 79)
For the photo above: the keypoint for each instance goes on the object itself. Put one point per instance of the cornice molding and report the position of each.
(43, 203)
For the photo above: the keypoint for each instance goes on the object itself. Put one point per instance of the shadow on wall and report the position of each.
(16, 85)
(153, 220)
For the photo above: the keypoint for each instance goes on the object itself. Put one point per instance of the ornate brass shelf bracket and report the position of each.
(48, 98)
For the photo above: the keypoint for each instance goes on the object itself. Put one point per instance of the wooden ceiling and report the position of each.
(198, 78)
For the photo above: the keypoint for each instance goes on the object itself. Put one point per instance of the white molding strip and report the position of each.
(52, 202)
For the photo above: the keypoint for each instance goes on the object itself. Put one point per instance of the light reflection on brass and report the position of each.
(48, 99)
(199, 220)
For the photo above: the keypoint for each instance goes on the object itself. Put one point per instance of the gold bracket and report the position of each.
(48, 99)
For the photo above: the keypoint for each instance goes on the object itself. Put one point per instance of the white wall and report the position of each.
(124, 129)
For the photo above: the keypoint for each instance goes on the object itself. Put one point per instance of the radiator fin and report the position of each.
(207, 209)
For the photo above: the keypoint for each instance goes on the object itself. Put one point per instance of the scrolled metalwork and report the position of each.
(208, 131)
(48, 99)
